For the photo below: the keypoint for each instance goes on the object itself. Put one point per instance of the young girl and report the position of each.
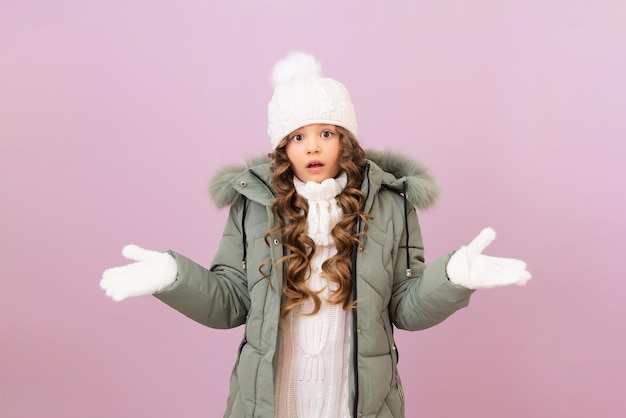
(320, 258)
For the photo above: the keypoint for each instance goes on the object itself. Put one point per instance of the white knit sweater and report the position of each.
(312, 379)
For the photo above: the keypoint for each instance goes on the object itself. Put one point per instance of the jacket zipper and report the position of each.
(355, 336)
(400, 390)
(355, 329)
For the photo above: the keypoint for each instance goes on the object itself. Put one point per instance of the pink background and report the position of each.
(114, 115)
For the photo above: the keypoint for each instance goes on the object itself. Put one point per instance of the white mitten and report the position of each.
(468, 267)
(152, 272)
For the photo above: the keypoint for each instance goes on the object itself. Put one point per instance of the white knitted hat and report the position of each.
(302, 97)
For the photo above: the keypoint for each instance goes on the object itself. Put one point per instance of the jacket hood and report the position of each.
(388, 169)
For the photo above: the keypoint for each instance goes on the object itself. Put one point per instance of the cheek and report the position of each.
(294, 162)
(338, 151)
(290, 154)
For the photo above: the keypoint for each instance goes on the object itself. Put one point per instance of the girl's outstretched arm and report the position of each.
(425, 297)
(216, 297)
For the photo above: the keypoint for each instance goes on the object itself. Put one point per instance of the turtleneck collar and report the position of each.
(325, 190)
(324, 212)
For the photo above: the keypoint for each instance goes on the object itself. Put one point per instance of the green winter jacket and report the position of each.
(389, 292)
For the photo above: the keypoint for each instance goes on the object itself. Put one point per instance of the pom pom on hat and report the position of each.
(303, 97)
(296, 64)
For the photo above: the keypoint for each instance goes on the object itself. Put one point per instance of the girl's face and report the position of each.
(314, 152)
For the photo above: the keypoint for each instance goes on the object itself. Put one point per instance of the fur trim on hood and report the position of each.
(220, 186)
(422, 191)
(420, 186)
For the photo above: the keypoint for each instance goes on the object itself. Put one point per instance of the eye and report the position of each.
(296, 138)
(327, 133)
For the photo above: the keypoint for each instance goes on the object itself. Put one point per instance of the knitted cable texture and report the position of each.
(312, 380)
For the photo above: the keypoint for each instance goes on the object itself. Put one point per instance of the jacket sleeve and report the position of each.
(427, 297)
(218, 297)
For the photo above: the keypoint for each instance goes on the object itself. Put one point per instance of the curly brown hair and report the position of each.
(290, 212)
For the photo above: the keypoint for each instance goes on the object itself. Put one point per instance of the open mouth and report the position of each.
(314, 164)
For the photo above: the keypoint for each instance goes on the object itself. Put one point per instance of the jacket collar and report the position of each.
(386, 170)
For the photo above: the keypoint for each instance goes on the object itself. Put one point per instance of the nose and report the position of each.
(313, 146)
